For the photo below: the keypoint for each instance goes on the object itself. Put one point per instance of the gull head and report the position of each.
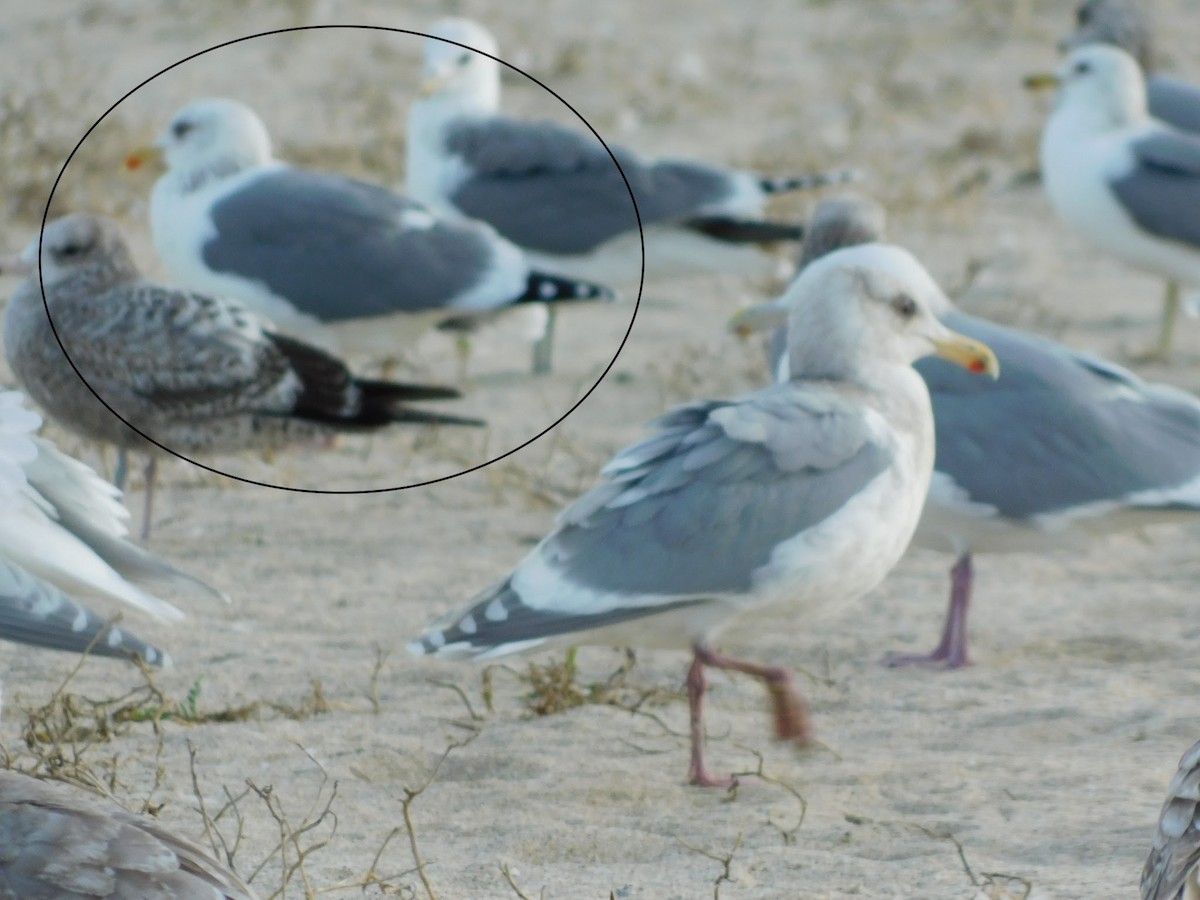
(1120, 23)
(214, 136)
(79, 243)
(1100, 88)
(457, 74)
(870, 308)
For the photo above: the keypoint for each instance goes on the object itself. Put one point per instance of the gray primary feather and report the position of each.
(35, 612)
(695, 511)
(58, 842)
(1162, 192)
(1175, 852)
(340, 249)
(551, 189)
(1174, 101)
(1059, 430)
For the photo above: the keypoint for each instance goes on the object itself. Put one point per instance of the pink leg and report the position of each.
(951, 651)
(788, 707)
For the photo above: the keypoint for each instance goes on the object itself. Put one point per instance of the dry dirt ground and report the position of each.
(1037, 772)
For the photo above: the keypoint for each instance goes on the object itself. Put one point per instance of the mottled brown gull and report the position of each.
(808, 490)
(195, 373)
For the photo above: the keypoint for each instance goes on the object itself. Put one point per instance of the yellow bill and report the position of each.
(143, 156)
(974, 356)
(1041, 81)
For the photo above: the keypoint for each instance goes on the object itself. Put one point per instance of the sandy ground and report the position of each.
(1037, 772)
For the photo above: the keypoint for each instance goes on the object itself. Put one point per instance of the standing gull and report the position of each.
(1124, 24)
(557, 193)
(196, 374)
(1125, 182)
(809, 489)
(1172, 870)
(1064, 447)
(316, 252)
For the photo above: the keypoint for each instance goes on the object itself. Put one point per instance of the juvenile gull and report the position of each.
(1125, 24)
(195, 373)
(59, 842)
(808, 489)
(555, 191)
(1063, 447)
(316, 252)
(1172, 870)
(1120, 179)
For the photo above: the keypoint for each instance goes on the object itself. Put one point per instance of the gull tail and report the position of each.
(746, 231)
(35, 612)
(544, 288)
(806, 182)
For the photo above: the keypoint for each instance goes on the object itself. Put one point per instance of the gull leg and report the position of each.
(1160, 352)
(462, 350)
(122, 472)
(788, 707)
(951, 651)
(543, 347)
(151, 473)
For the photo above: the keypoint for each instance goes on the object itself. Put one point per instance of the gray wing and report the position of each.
(340, 249)
(1174, 101)
(551, 189)
(1059, 429)
(1175, 853)
(35, 612)
(145, 347)
(689, 514)
(58, 842)
(1162, 190)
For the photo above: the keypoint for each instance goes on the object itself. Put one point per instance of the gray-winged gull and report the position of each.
(1126, 24)
(1120, 179)
(1064, 446)
(319, 253)
(62, 529)
(195, 373)
(1172, 870)
(808, 490)
(555, 191)
(59, 842)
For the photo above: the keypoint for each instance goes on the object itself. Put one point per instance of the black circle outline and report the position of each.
(384, 490)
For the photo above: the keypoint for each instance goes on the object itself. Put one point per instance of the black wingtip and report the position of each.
(545, 288)
(747, 231)
(806, 182)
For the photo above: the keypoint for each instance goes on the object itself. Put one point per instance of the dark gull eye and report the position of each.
(1082, 67)
(464, 59)
(181, 128)
(904, 305)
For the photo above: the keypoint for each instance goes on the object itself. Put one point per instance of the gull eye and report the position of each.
(1082, 67)
(904, 306)
(69, 250)
(180, 129)
(465, 59)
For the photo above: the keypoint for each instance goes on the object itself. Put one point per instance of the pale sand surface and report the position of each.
(1047, 760)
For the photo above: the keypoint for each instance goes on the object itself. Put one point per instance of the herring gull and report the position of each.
(808, 490)
(327, 258)
(1122, 180)
(1126, 24)
(1064, 447)
(1172, 870)
(193, 373)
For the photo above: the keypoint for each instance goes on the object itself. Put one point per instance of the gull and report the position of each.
(1172, 870)
(1065, 447)
(152, 369)
(1124, 24)
(1123, 181)
(808, 490)
(330, 259)
(59, 842)
(62, 531)
(557, 193)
